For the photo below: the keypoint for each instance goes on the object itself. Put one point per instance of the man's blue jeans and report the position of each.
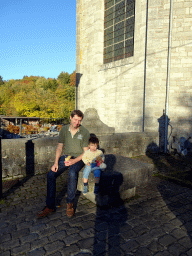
(72, 182)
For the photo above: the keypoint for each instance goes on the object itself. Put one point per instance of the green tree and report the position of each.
(70, 93)
(41, 82)
(38, 96)
(1, 80)
(54, 85)
(51, 84)
(64, 78)
(26, 104)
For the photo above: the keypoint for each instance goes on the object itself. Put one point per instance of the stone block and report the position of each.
(119, 180)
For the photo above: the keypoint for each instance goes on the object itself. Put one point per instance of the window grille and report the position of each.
(119, 23)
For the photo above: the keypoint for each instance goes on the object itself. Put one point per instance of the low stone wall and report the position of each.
(21, 157)
(130, 144)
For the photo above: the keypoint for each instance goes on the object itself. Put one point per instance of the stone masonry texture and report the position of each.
(22, 157)
(117, 89)
(19, 156)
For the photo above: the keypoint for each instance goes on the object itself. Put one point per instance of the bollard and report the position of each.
(0, 128)
(20, 127)
(30, 158)
(1, 185)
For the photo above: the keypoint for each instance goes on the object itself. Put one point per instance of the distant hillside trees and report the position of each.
(64, 78)
(73, 79)
(36, 96)
(1, 80)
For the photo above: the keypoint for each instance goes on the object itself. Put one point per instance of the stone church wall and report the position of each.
(117, 89)
(180, 99)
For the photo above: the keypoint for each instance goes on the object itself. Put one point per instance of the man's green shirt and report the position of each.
(73, 145)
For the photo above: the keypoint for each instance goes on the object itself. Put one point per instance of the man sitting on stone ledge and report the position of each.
(74, 139)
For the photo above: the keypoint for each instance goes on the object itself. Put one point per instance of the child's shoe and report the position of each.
(85, 190)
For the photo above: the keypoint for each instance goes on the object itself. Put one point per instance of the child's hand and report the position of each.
(99, 160)
(88, 164)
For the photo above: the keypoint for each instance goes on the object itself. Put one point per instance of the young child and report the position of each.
(93, 159)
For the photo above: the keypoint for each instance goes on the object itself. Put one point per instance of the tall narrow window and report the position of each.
(119, 26)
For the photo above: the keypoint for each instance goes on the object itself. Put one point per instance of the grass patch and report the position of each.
(2, 201)
(174, 168)
(182, 181)
(183, 175)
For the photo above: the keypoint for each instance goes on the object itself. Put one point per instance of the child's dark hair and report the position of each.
(94, 140)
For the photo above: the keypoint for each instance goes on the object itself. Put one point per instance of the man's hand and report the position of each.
(54, 168)
(70, 162)
(59, 149)
(77, 159)
(88, 164)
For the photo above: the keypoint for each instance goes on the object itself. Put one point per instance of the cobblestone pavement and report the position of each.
(157, 223)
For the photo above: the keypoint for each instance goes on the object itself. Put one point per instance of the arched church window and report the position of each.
(119, 23)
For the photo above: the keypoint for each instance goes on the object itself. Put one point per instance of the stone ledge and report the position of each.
(120, 179)
(115, 64)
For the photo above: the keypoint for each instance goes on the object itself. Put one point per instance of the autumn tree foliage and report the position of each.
(36, 96)
(73, 79)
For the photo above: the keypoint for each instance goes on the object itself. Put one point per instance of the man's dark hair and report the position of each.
(94, 140)
(77, 112)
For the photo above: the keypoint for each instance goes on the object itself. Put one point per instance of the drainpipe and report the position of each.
(145, 66)
(76, 96)
(168, 73)
(76, 90)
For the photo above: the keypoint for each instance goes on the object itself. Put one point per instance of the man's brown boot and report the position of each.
(45, 212)
(70, 210)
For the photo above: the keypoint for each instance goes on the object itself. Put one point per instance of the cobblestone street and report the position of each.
(158, 223)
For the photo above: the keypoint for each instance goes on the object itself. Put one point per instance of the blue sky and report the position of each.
(38, 37)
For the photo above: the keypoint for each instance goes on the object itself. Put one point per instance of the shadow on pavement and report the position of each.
(110, 217)
(177, 212)
(110, 221)
(179, 228)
